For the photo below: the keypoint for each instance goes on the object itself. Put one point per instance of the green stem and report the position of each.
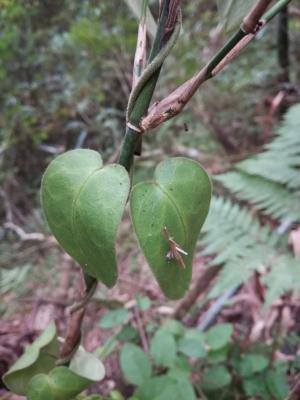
(238, 36)
(89, 282)
(231, 43)
(283, 44)
(144, 11)
(128, 148)
(275, 10)
(143, 101)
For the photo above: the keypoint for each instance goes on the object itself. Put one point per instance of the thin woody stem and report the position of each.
(251, 20)
(85, 300)
(87, 287)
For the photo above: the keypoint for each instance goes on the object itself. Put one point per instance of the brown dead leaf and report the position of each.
(294, 240)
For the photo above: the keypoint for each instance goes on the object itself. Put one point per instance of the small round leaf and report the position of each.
(215, 378)
(134, 364)
(218, 336)
(163, 348)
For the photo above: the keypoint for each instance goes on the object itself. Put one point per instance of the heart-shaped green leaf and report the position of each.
(60, 384)
(84, 203)
(38, 358)
(64, 383)
(167, 215)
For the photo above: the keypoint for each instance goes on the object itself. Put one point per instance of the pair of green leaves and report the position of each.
(35, 373)
(84, 202)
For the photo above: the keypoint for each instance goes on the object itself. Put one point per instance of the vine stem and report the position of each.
(86, 288)
(174, 103)
(200, 286)
(166, 24)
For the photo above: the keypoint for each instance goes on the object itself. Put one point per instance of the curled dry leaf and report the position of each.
(295, 242)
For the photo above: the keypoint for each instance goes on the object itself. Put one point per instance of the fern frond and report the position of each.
(283, 277)
(230, 230)
(280, 162)
(270, 197)
(237, 240)
(233, 273)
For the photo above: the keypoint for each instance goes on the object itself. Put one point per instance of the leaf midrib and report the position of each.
(74, 203)
(166, 193)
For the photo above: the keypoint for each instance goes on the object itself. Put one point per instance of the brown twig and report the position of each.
(45, 300)
(24, 236)
(276, 338)
(201, 285)
(72, 337)
(73, 330)
(295, 392)
(140, 327)
(171, 20)
(84, 301)
(140, 58)
(251, 20)
(270, 118)
(235, 52)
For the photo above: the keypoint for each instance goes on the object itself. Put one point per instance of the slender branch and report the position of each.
(270, 14)
(85, 300)
(72, 338)
(295, 392)
(87, 287)
(201, 285)
(143, 100)
(221, 54)
(213, 311)
(283, 43)
(141, 330)
(173, 104)
(251, 20)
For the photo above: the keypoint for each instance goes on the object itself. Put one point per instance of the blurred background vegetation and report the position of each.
(65, 77)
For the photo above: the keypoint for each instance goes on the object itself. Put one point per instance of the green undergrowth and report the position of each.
(179, 362)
